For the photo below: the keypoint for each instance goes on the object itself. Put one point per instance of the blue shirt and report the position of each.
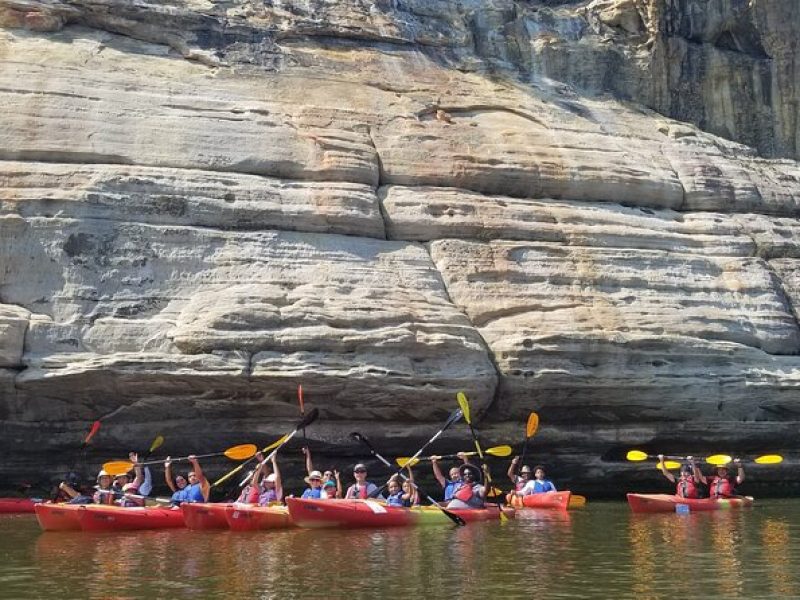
(194, 493)
(395, 499)
(313, 493)
(540, 487)
(179, 497)
(450, 489)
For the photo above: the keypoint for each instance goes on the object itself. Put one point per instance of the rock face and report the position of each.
(584, 209)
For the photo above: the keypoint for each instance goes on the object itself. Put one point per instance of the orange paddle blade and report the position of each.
(242, 452)
(532, 425)
(117, 467)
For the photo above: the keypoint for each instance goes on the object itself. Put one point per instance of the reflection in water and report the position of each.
(600, 552)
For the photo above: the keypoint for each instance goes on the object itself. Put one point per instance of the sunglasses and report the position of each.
(315, 479)
(360, 471)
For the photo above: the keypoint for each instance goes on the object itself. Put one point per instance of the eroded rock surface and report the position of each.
(586, 209)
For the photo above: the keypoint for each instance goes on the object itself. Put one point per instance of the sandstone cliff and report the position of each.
(586, 209)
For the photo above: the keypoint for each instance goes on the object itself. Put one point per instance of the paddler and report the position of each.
(450, 483)
(270, 489)
(401, 493)
(721, 485)
(469, 493)
(314, 489)
(332, 486)
(193, 488)
(687, 485)
(524, 476)
(539, 484)
(361, 488)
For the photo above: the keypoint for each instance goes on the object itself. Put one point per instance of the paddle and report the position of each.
(530, 429)
(454, 416)
(495, 451)
(241, 452)
(302, 408)
(715, 459)
(577, 501)
(669, 464)
(304, 422)
(82, 454)
(157, 443)
(464, 404)
(452, 516)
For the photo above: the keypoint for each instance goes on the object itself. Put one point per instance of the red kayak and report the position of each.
(10, 506)
(251, 517)
(96, 517)
(666, 503)
(203, 515)
(372, 513)
(548, 500)
(58, 517)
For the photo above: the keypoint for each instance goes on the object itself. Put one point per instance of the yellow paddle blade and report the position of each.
(500, 451)
(242, 452)
(117, 467)
(275, 444)
(636, 455)
(463, 403)
(670, 464)
(495, 492)
(157, 443)
(719, 460)
(576, 501)
(405, 461)
(769, 459)
(533, 424)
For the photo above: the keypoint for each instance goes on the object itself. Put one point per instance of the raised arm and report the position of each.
(309, 462)
(664, 471)
(168, 474)
(413, 496)
(512, 470)
(698, 475)
(740, 472)
(338, 483)
(437, 472)
(464, 458)
(138, 471)
(278, 480)
(205, 487)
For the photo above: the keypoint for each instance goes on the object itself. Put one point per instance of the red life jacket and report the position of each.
(464, 492)
(720, 488)
(686, 488)
(362, 492)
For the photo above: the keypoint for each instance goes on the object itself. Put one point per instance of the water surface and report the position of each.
(601, 551)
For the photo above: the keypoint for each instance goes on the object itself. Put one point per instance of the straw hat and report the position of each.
(471, 469)
(312, 475)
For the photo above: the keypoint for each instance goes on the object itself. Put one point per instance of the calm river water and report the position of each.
(601, 551)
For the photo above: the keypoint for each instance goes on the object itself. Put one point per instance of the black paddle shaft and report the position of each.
(452, 516)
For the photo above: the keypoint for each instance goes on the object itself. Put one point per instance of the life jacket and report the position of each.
(395, 499)
(721, 488)
(464, 492)
(686, 488)
(104, 496)
(266, 497)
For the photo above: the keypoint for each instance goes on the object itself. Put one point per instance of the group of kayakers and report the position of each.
(691, 483)
(462, 488)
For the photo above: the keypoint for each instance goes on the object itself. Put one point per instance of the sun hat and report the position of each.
(525, 469)
(313, 475)
(360, 466)
(271, 478)
(103, 473)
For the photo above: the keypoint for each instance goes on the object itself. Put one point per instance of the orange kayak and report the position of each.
(251, 517)
(205, 515)
(666, 503)
(58, 517)
(96, 517)
(548, 500)
(10, 506)
(372, 513)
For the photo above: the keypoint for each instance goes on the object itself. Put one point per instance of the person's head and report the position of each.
(269, 481)
(360, 472)
(722, 471)
(686, 471)
(470, 474)
(104, 480)
(538, 472)
(314, 479)
(455, 474)
(122, 480)
(329, 488)
(328, 475)
(181, 482)
(525, 472)
(393, 486)
(407, 487)
(191, 477)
